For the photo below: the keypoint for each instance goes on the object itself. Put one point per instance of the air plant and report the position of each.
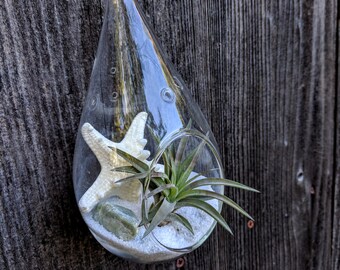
(177, 186)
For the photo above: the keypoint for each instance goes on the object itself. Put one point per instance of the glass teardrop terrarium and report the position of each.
(147, 174)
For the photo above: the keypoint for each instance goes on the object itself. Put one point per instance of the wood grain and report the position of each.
(265, 74)
(336, 194)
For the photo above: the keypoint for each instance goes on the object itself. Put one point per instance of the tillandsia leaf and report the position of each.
(159, 190)
(152, 186)
(203, 173)
(218, 181)
(171, 153)
(192, 179)
(167, 165)
(146, 183)
(159, 175)
(159, 182)
(173, 194)
(145, 219)
(176, 187)
(135, 162)
(182, 145)
(191, 202)
(164, 210)
(152, 132)
(213, 195)
(174, 172)
(186, 162)
(203, 198)
(194, 158)
(153, 210)
(179, 218)
(139, 176)
(191, 159)
(126, 169)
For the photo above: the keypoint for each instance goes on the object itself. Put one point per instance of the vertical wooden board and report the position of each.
(46, 56)
(336, 193)
(322, 165)
(261, 113)
(262, 71)
(275, 125)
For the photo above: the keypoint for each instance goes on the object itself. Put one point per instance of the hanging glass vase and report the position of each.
(141, 137)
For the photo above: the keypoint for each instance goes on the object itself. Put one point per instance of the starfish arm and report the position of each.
(130, 191)
(97, 142)
(135, 134)
(95, 193)
(104, 186)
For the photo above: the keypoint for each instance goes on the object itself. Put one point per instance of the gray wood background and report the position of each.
(265, 74)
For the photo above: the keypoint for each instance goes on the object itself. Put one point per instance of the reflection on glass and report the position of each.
(137, 104)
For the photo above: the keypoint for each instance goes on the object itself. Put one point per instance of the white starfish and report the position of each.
(104, 186)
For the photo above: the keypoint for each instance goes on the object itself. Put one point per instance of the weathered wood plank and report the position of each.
(264, 73)
(336, 193)
(323, 165)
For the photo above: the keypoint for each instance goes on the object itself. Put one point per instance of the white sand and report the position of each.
(173, 235)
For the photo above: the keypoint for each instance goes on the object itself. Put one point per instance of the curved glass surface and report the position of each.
(137, 103)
